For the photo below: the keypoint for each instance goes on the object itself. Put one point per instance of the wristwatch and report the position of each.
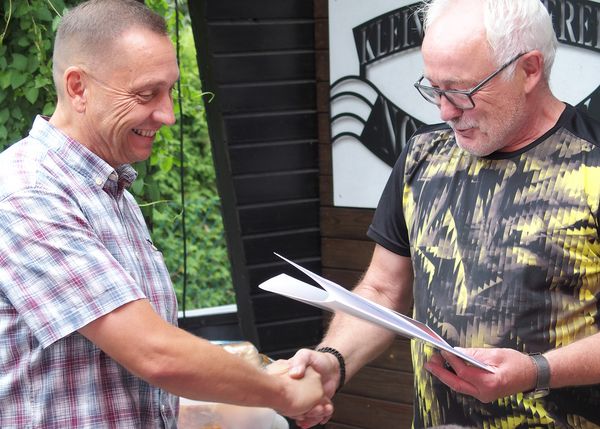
(542, 384)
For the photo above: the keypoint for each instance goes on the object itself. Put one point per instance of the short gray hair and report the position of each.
(89, 29)
(512, 27)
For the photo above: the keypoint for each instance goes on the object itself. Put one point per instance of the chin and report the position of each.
(474, 147)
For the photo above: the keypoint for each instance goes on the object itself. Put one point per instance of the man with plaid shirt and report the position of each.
(87, 310)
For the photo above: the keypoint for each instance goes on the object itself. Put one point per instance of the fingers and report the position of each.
(450, 370)
(278, 367)
(318, 415)
(299, 362)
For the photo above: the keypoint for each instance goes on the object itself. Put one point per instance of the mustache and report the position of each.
(462, 123)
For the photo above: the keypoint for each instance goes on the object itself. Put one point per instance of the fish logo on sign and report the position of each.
(374, 63)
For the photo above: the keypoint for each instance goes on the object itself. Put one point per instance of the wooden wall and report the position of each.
(258, 60)
(380, 395)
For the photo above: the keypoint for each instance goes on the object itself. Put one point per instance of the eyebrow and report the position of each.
(153, 84)
(450, 82)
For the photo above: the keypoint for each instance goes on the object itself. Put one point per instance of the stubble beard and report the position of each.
(494, 136)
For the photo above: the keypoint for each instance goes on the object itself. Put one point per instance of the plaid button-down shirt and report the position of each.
(73, 247)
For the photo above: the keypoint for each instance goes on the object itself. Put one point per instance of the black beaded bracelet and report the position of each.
(341, 361)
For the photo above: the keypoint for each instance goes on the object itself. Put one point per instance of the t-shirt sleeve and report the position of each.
(388, 227)
(55, 271)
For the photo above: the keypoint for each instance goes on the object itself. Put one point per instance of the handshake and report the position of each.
(310, 378)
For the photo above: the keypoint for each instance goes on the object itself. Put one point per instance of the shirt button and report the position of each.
(163, 408)
(98, 181)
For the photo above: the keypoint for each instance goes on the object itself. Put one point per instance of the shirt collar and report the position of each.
(79, 157)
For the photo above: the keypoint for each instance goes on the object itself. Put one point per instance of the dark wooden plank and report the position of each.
(371, 413)
(321, 28)
(221, 326)
(265, 188)
(345, 222)
(323, 96)
(385, 384)
(289, 334)
(272, 307)
(322, 65)
(326, 189)
(272, 157)
(214, 118)
(261, 272)
(271, 127)
(325, 161)
(294, 245)
(272, 66)
(396, 357)
(348, 254)
(320, 7)
(265, 9)
(244, 36)
(346, 278)
(323, 128)
(281, 216)
(269, 96)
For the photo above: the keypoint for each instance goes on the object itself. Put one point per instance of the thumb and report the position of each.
(299, 362)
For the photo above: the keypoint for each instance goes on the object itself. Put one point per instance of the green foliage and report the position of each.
(26, 89)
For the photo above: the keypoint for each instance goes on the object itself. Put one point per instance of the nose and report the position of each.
(164, 111)
(448, 111)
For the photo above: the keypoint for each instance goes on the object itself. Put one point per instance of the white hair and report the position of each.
(512, 27)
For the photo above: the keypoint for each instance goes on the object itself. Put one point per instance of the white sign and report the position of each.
(375, 59)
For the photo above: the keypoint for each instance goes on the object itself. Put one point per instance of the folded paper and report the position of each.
(334, 297)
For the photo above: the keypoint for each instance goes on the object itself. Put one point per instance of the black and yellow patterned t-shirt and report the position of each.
(506, 253)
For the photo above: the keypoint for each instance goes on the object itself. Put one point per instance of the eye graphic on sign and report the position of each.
(374, 61)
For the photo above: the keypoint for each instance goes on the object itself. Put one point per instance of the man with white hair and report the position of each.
(490, 224)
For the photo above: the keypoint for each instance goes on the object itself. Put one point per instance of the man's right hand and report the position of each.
(302, 395)
(301, 365)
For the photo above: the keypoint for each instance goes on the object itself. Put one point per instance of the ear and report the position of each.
(532, 64)
(75, 88)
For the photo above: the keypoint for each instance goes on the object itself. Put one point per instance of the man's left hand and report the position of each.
(513, 372)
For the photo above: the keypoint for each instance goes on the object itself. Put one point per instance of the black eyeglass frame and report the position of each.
(468, 93)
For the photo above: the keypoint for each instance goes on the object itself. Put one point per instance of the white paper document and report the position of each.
(334, 297)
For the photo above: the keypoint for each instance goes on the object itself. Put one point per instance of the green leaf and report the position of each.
(137, 186)
(48, 108)
(16, 113)
(5, 79)
(4, 115)
(55, 23)
(166, 164)
(42, 13)
(17, 79)
(21, 10)
(3, 134)
(24, 42)
(19, 62)
(31, 94)
(42, 81)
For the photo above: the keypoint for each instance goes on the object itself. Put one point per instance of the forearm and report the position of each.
(183, 364)
(388, 282)
(357, 340)
(575, 364)
(191, 367)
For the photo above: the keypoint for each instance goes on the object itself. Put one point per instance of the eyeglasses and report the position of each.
(461, 99)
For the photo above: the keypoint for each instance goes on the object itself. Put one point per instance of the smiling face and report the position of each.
(457, 56)
(128, 97)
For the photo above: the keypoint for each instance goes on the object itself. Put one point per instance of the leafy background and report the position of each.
(26, 89)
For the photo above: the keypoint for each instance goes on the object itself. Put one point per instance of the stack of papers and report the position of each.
(334, 297)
